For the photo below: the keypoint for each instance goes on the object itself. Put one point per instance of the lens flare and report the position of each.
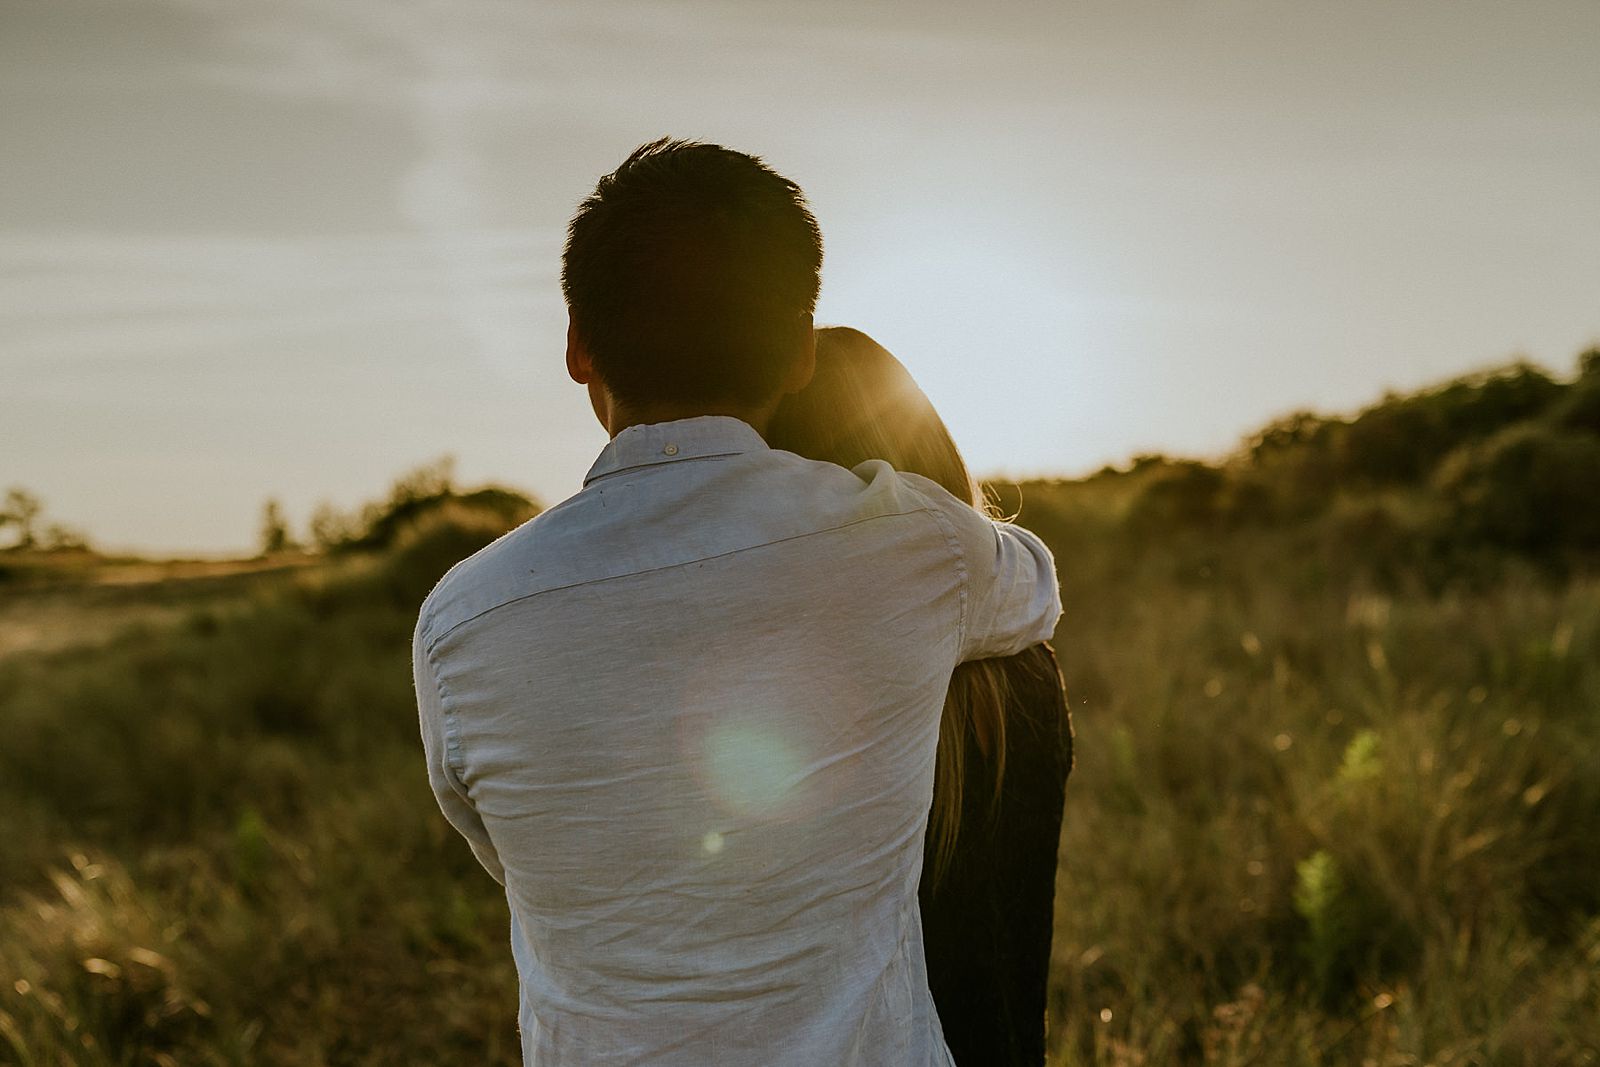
(751, 767)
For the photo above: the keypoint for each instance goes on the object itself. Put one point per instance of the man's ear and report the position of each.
(805, 365)
(580, 367)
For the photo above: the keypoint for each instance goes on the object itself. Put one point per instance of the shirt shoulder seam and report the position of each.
(448, 727)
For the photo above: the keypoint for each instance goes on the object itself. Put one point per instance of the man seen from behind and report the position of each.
(688, 717)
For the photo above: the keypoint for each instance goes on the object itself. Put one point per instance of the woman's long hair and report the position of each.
(862, 404)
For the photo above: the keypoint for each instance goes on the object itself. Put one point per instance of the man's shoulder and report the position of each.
(477, 583)
(906, 490)
(617, 526)
(815, 496)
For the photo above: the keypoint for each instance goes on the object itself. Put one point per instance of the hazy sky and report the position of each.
(293, 247)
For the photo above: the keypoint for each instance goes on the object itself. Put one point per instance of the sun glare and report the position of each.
(972, 315)
(751, 770)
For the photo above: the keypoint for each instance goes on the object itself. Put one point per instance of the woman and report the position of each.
(1005, 740)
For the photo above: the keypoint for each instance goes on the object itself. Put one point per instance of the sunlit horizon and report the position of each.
(293, 249)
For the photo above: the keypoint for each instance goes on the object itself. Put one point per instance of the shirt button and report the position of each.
(670, 450)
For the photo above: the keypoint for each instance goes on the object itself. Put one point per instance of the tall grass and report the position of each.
(218, 849)
(1318, 817)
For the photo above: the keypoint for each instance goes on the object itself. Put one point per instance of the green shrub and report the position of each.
(1183, 494)
(1320, 900)
(414, 496)
(1402, 439)
(1530, 489)
(420, 553)
(1580, 408)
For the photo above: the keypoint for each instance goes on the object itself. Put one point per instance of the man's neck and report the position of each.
(620, 415)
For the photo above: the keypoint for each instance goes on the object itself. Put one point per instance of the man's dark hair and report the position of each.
(690, 274)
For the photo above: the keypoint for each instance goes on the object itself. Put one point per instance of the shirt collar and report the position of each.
(671, 442)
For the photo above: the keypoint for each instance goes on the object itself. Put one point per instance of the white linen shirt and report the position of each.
(688, 719)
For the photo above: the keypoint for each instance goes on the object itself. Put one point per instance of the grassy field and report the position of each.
(1321, 819)
(1337, 798)
(1312, 822)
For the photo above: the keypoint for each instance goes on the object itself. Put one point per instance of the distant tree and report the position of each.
(275, 535)
(21, 510)
(415, 492)
(414, 498)
(1182, 493)
(1293, 467)
(1580, 408)
(1396, 441)
(425, 482)
(1297, 430)
(1530, 488)
(58, 537)
(332, 529)
(1403, 439)
(1479, 405)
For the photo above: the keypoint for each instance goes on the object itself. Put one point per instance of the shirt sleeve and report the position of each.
(438, 749)
(1011, 599)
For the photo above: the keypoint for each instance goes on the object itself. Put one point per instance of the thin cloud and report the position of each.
(124, 298)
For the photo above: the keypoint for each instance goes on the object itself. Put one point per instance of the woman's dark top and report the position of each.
(987, 923)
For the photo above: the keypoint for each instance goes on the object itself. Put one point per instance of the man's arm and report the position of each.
(1015, 598)
(448, 788)
(1011, 598)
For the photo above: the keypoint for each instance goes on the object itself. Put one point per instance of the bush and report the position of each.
(1391, 443)
(1179, 494)
(1531, 489)
(430, 545)
(1580, 408)
(1401, 440)
(412, 497)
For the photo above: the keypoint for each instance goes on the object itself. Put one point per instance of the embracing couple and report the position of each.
(758, 730)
